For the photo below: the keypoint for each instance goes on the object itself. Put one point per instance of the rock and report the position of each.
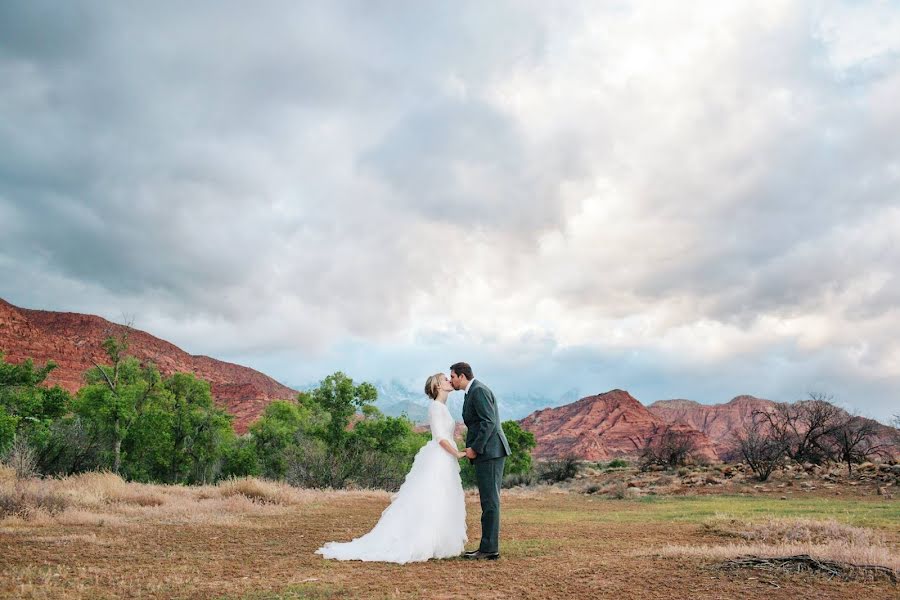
(895, 469)
(602, 427)
(633, 493)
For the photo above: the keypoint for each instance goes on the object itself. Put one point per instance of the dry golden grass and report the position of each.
(251, 538)
(825, 539)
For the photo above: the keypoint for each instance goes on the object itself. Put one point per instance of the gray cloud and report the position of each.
(519, 177)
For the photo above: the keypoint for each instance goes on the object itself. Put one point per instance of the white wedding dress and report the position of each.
(426, 517)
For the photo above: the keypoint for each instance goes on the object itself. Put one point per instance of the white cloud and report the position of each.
(704, 191)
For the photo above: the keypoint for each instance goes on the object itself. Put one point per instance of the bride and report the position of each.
(427, 516)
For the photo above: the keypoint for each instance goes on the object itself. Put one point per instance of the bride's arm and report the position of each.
(434, 423)
(449, 447)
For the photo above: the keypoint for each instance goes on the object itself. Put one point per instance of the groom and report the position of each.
(487, 449)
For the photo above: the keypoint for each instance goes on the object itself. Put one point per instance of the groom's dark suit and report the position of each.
(485, 436)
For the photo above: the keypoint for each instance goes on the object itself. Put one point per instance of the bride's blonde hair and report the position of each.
(431, 385)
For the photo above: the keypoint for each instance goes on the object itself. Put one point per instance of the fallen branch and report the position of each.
(805, 562)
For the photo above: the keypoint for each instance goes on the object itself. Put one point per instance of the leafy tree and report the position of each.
(180, 436)
(340, 399)
(391, 435)
(239, 458)
(27, 409)
(521, 443)
(519, 462)
(198, 428)
(275, 431)
(116, 396)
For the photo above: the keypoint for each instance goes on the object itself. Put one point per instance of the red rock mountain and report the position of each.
(602, 427)
(720, 421)
(73, 340)
(717, 421)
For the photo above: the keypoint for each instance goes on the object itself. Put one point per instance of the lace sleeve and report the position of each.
(436, 422)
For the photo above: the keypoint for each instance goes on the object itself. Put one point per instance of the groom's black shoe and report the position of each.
(479, 555)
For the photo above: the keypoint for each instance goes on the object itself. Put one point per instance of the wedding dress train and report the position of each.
(426, 517)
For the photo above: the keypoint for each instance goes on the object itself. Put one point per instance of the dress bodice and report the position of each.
(441, 422)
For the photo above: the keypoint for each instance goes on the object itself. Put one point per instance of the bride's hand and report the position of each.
(460, 455)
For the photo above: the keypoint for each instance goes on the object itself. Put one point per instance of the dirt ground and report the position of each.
(554, 543)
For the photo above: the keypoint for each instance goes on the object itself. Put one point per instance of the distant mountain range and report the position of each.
(615, 424)
(396, 398)
(594, 427)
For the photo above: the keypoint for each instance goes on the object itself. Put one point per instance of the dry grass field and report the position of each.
(95, 536)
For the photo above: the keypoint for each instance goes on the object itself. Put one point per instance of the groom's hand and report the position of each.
(471, 454)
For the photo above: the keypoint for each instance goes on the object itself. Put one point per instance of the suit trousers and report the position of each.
(489, 475)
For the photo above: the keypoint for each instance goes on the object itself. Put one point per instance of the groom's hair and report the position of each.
(463, 369)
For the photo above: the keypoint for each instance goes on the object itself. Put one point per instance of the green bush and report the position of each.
(557, 470)
(519, 479)
(617, 463)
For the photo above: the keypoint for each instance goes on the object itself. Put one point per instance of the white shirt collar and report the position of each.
(471, 381)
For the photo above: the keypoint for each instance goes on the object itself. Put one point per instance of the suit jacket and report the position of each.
(485, 433)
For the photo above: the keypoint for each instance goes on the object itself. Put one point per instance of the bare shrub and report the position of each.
(21, 457)
(803, 427)
(762, 449)
(664, 480)
(670, 448)
(854, 441)
(258, 490)
(591, 488)
(618, 490)
(28, 503)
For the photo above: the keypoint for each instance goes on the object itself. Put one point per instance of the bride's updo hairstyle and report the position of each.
(431, 385)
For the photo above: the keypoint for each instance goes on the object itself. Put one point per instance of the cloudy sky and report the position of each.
(685, 200)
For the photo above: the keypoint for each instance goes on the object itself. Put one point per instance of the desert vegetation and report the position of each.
(131, 421)
(95, 535)
(813, 431)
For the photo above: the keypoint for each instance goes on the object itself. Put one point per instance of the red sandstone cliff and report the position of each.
(72, 340)
(720, 421)
(602, 427)
(717, 421)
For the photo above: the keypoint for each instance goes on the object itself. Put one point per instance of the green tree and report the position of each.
(26, 407)
(198, 428)
(239, 458)
(340, 399)
(180, 436)
(521, 443)
(276, 430)
(116, 395)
